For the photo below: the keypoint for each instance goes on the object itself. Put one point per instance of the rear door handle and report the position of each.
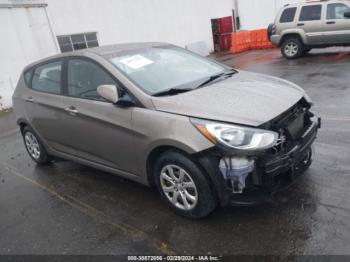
(330, 23)
(30, 99)
(300, 24)
(71, 110)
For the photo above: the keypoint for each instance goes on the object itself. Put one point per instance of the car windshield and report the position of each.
(158, 69)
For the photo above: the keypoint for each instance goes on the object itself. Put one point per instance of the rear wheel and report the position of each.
(183, 186)
(292, 48)
(34, 146)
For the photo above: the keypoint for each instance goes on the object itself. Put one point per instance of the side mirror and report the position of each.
(347, 14)
(108, 92)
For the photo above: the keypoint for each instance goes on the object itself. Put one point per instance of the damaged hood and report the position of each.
(245, 98)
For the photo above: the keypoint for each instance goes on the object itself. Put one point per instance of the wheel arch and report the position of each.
(22, 123)
(287, 35)
(156, 152)
(195, 157)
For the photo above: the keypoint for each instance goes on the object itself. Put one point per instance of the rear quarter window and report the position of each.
(288, 15)
(47, 78)
(28, 77)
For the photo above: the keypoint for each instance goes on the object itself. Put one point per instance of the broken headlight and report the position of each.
(237, 137)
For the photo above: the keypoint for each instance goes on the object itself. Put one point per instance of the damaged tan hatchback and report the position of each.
(204, 134)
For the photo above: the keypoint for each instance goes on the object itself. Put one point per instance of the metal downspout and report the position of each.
(52, 30)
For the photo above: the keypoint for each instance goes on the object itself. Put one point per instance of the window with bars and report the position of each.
(70, 43)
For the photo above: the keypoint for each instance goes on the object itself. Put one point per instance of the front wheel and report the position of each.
(292, 48)
(183, 186)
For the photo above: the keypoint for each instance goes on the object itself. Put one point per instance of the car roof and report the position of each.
(314, 2)
(101, 51)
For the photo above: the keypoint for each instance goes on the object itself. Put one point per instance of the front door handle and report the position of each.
(330, 23)
(30, 99)
(300, 24)
(71, 110)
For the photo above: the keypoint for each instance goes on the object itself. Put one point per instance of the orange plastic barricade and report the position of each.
(261, 39)
(234, 47)
(254, 39)
(247, 40)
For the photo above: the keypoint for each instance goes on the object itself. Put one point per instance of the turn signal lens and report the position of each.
(204, 131)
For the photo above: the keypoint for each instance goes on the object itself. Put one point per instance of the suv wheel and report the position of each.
(34, 147)
(183, 186)
(292, 48)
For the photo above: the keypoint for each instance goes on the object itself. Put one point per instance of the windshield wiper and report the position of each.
(231, 72)
(210, 79)
(217, 76)
(173, 91)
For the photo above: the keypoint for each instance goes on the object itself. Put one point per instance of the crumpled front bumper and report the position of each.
(273, 172)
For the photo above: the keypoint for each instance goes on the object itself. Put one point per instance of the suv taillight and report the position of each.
(271, 30)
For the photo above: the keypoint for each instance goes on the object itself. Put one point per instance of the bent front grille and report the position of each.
(291, 126)
(284, 163)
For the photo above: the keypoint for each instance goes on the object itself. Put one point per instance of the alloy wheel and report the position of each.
(291, 49)
(179, 187)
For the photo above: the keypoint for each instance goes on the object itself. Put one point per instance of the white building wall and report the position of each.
(176, 21)
(257, 14)
(26, 38)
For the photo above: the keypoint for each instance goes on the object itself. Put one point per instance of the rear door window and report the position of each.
(336, 11)
(288, 15)
(47, 78)
(311, 13)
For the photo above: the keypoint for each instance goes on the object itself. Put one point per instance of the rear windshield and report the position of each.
(288, 15)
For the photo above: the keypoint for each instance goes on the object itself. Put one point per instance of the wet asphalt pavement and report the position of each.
(67, 208)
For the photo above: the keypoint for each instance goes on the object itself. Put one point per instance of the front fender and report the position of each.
(154, 129)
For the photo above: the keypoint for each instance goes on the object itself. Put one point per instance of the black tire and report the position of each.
(306, 51)
(295, 42)
(206, 197)
(43, 158)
